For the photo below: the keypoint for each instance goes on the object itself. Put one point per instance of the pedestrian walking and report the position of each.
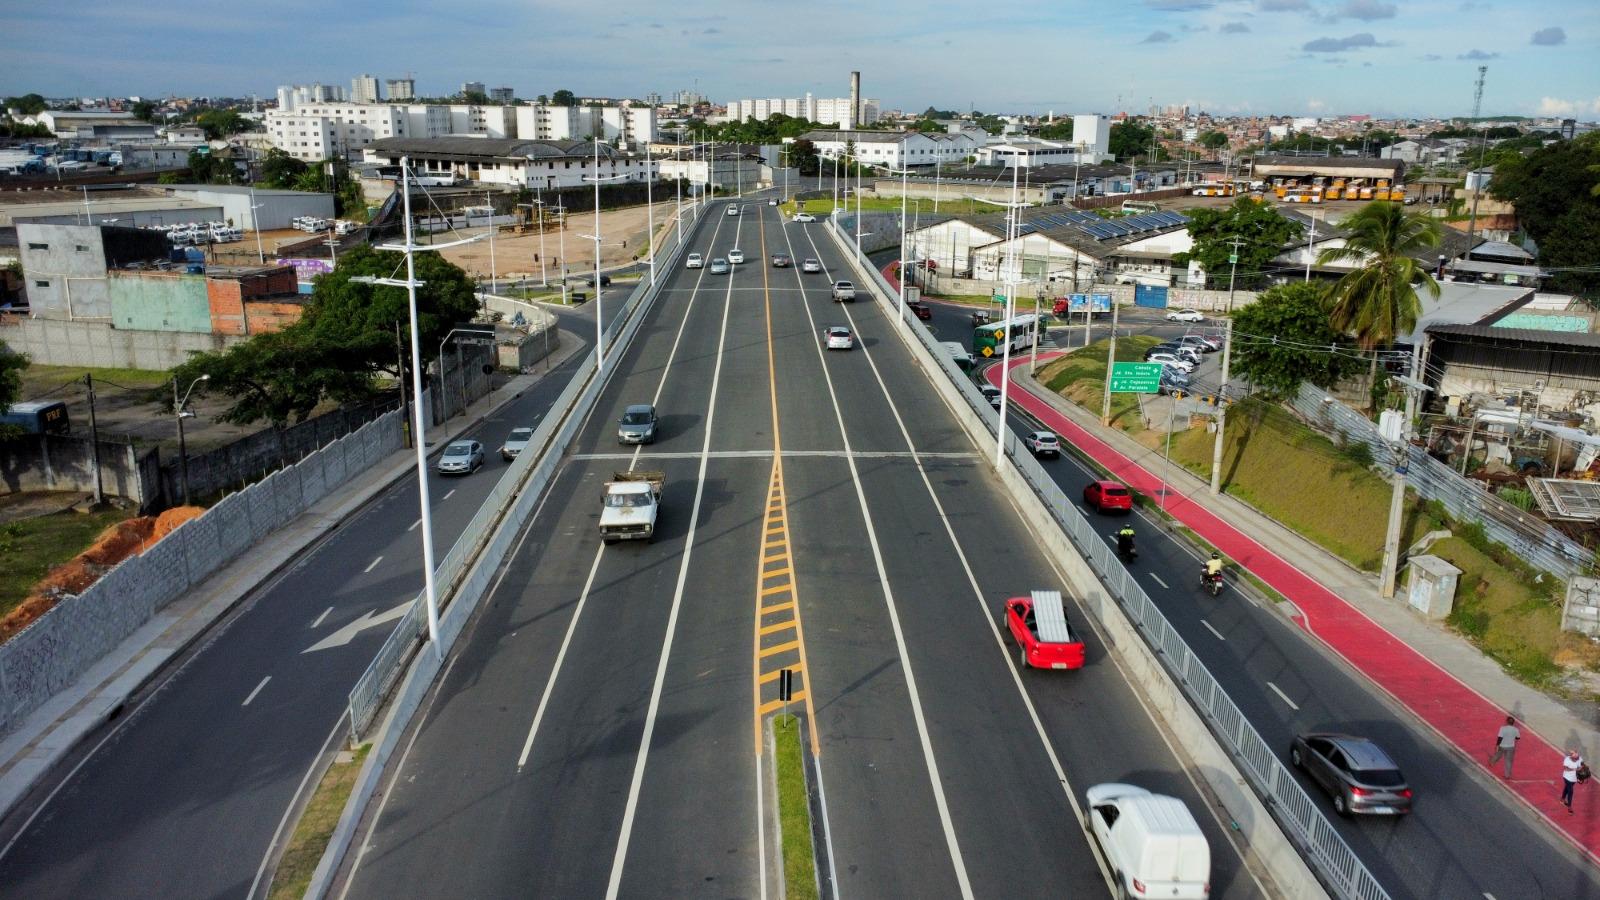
(1573, 771)
(1505, 744)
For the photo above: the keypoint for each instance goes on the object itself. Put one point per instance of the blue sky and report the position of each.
(1307, 57)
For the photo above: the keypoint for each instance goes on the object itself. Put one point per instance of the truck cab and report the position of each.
(629, 506)
(1038, 623)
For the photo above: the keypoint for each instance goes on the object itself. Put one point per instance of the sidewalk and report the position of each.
(53, 730)
(1442, 679)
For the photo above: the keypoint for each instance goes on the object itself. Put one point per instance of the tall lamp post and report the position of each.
(255, 223)
(599, 305)
(538, 203)
(904, 172)
(1013, 269)
(410, 283)
(182, 413)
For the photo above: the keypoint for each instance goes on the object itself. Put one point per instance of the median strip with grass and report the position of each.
(317, 821)
(794, 810)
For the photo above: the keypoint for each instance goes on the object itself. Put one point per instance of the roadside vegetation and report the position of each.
(794, 811)
(315, 828)
(32, 547)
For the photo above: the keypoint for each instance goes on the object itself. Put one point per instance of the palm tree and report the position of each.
(1378, 301)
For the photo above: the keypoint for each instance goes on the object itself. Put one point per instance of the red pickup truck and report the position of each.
(1038, 624)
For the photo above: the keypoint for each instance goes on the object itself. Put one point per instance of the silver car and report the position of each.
(719, 266)
(516, 442)
(1362, 779)
(811, 266)
(638, 425)
(460, 458)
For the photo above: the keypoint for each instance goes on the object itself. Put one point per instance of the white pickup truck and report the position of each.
(630, 505)
(843, 291)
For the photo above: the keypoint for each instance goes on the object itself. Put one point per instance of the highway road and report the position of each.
(1287, 683)
(182, 795)
(594, 733)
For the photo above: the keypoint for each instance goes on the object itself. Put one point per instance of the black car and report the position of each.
(920, 309)
(1360, 777)
(605, 281)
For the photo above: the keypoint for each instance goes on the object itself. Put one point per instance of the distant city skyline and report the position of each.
(1228, 57)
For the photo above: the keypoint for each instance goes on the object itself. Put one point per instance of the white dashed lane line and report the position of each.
(1283, 696)
(256, 691)
(1221, 638)
(372, 565)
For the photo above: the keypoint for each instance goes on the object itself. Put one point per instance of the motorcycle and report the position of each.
(1126, 549)
(1212, 583)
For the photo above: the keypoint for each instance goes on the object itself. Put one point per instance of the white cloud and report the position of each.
(1555, 106)
(1315, 105)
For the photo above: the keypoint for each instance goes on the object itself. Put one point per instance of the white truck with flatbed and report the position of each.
(629, 507)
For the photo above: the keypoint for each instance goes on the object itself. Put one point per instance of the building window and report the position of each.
(43, 284)
(81, 248)
(33, 246)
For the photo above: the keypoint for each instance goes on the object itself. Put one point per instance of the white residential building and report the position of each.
(489, 121)
(511, 162)
(628, 125)
(364, 89)
(542, 122)
(890, 148)
(318, 131)
(502, 94)
(397, 89)
(298, 95)
(827, 110)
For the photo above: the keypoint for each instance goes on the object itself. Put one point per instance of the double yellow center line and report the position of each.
(779, 637)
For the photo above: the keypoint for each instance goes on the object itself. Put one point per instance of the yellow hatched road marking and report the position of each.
(775, 627)
(777, 607)
(767, 677)
(775, 705)
(775, 589)
(779, 648)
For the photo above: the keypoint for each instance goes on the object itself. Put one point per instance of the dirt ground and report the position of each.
(623, 231)
(128, 402)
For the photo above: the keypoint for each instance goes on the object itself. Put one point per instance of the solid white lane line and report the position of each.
(935, 780)
(256, 691)
(1285, 697)
(761, 829)
(561, 655)
(632, 807)
(414, 525)
(448, 494)
(1160, 582)
(372, 565)
(318, 622)
(294, 802)
(1219, 636)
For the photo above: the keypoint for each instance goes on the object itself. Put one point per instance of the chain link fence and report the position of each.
(1528, 536)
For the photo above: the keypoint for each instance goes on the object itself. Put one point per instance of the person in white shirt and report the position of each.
(1569, 777)
(1505, 745)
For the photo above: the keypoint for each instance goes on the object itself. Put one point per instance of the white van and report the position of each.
(1152, 843)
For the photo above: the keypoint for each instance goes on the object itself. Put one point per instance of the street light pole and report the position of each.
(255, 222)
(650, 204)
(1397, 496)
(494, 278)
(183, 447)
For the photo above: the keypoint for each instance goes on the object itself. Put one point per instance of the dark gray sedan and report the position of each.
(1360, 777)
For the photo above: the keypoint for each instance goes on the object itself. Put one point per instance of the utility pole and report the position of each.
(1402, 453)
(1483, 134)
(94, 441)
(1222, 391)
(1233, 262)
(1111, 357)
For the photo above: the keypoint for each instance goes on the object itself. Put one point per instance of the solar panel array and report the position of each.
(1106, 229)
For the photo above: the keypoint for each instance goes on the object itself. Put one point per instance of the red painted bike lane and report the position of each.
(1465, 718)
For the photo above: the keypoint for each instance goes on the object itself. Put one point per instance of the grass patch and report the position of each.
(311, 833)
(1080, 376)
(37, 378)
(794, 811)
(30, 547)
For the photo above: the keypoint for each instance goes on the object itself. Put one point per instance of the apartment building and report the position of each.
(364, 89)
(397, 89)
(827, 110)
(513, 162)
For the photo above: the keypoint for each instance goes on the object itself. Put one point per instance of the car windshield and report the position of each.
(521, 434)
(636, 418)
(1380, 777)
(1045, 438)
(1116, 491)
(458, 450)
(627, 501)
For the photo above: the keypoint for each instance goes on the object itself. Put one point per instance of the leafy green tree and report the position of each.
(278, 377)
(280, 171)
(144, 111)
(1273, 337)
(1057, 131)
(931, 113)
(205, 168)
(358, 320)
(476, 98)
(1554, 191)
(220, 123)
(563, 98)
(1261, 231)
(803, 156)
(1377, 302)
(1213, 140)
(927, 126)
(19, 130)
(1130, 139)
(27, 104)
(11, 365)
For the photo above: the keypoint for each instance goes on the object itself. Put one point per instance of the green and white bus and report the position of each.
(988, 341)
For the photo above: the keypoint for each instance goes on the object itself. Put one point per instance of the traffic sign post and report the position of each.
(1135, 378)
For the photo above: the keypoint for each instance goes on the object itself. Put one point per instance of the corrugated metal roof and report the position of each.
(1529, 335)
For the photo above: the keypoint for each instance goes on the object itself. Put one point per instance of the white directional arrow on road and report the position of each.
(348, 633)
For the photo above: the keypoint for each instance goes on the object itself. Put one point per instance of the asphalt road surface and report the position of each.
(182, 795)
(595, 731)
(1466, 837)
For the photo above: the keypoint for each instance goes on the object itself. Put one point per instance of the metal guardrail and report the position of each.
(1540, 545)
(544, 448)
(1328, 853)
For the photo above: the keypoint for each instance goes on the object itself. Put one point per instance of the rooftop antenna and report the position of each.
(1483, 134)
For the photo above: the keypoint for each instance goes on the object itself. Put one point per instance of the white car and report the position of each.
(695, 261)
(516, 442)
(804, 217)
(1185, 315)
(733, 210)
(838, 337)
(811, 266)
(1173, 360)
(736, 256)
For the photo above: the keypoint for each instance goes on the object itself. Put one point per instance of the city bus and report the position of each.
(988, 341)
(37, 416)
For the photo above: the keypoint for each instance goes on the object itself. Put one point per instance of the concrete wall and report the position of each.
(99, 345)
(65, 265)
(519, 347)
(227, 296)
(278, 209)
(66, 463)
(63, 643)
(159, 301)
